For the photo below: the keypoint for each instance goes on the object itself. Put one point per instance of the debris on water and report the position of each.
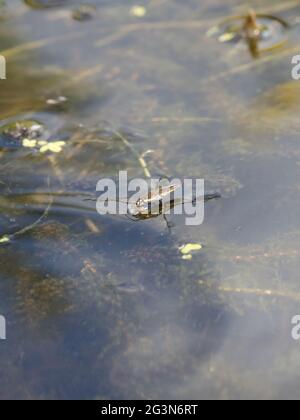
(93, 228)
(30, 135)
(138, 11)
(187, 250)
(84, 12)
(130, 288)
(56, 101)
(4, 240)
(45, 146)
(13, 134)
(22, 129)
(261, 32)
(188, 257)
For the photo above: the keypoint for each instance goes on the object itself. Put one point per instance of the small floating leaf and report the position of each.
(21, 130)
(29, 143)
(187, 257)
(54, 147)
(188, 248)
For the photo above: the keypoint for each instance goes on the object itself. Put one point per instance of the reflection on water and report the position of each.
(103, 307)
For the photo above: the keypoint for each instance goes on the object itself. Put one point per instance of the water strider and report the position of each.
(261, 32)
(156, 200)
(161, 201)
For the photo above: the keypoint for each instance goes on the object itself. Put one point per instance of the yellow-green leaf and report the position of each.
(187, 257)
(29, 143)
(188, 248)
(54, 147)
(4, 240)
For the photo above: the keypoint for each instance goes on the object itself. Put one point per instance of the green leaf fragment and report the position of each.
(54, 147)
(187, 257)
(187, 250)
(44, 146)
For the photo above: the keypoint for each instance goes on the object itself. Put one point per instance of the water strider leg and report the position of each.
(169, 224)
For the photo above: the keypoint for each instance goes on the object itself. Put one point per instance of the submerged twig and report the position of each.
(139, 157)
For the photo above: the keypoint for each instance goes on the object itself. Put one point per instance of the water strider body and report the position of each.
(253, 32)
(161, 201)
(153, 203)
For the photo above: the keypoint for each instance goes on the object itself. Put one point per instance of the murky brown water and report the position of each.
(102, 307)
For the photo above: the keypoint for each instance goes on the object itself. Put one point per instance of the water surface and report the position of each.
(102, 307)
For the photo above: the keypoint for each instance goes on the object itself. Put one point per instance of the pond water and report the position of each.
(100, 307)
